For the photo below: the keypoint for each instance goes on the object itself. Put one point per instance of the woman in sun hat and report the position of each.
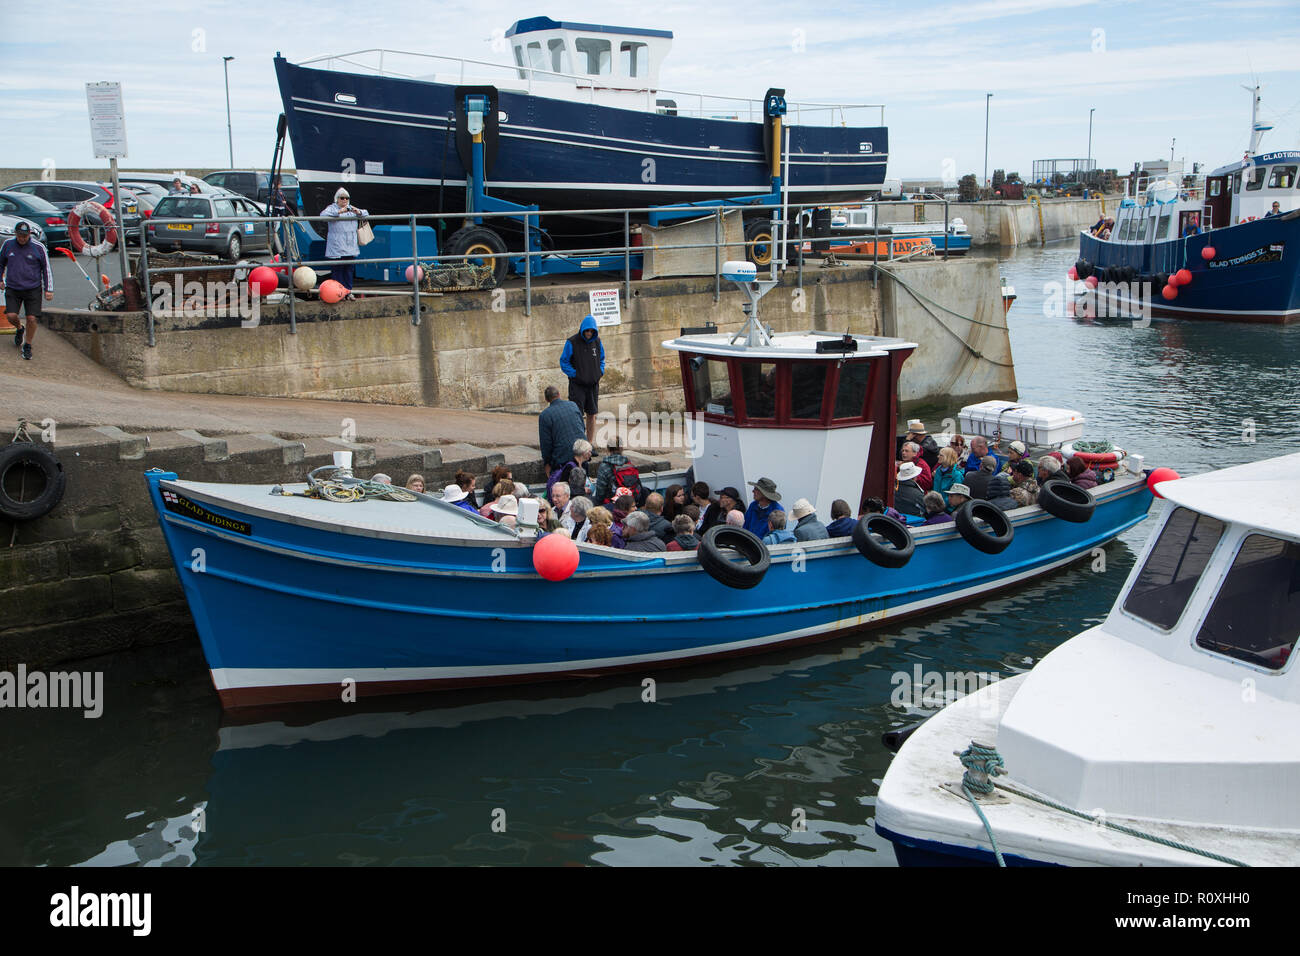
(458, 496)
(909, 499)
(505, 505)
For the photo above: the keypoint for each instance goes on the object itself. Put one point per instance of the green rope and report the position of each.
(923, 300)
(982, 763)
(1099, 447)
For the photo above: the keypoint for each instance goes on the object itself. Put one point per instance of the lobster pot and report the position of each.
(1031, 424)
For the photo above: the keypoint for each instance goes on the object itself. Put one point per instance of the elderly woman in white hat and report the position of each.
(341, 239)
(458, 496)
(909, 498)
(809, 527)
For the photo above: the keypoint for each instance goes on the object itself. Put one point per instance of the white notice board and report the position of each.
(605, 306)
(107, 120)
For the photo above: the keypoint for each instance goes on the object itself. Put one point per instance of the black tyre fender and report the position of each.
(1067, 501)
(899, 547)
(991, 540)
(713, 558)
(42, 459)
(480, 241)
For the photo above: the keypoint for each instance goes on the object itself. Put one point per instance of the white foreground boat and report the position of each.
(1167, 735)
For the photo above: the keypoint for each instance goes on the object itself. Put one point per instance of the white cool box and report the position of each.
(1032, 424)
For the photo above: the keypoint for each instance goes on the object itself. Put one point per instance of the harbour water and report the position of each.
(772, 760)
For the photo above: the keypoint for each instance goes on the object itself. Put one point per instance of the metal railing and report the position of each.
(786, 251)
(727, 108)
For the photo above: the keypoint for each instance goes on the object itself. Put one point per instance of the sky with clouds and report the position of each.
(1153, 70)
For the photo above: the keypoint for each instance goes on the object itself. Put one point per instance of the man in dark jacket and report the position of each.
(998, 492)
(583, 360)
(654, 510)
(24, 276)
(842, 523)
(716, 513)
(605, 472)
(558, 427)
(978, 481)
(639, 537)
(909, 499)
(929, 447)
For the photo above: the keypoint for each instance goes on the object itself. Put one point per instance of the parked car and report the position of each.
(66, 194)
(40, 213)
(253, 184)
(9, 223)
(148, 194)
(199, 232)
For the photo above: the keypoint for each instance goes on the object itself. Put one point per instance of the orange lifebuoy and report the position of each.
(1107, 459)
(91, 208)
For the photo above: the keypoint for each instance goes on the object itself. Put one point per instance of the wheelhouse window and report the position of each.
(1175, 565)
(807, 386)
(1216, 187)
(593, 56)
(1255, 616)
(758, 384)
(712, 386)
(1142, 229)
(635, 58)
(851, 391)
(1163, 232)
(1126, 229)
(559, 56)
(536, 58)
(1236, 183)
(1283, 177)
(1256, 180)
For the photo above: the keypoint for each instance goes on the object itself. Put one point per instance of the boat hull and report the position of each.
(1253, 277)
(395, 148)
(291, 612)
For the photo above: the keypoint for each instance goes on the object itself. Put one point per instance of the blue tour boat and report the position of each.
(298, 597)
(1229, 245)
(578, 121)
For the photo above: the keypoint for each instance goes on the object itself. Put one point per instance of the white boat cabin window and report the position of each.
(1126, 229)
(758, 384)
(712, 386)
(1163, 232)
(1142, 229)
(1255, 616)
(851, 392)
(1174, 567)
(536, 58)
(594, 56)
(1256, 180)
(1283, 177)
(1236, 183)
(559, 52)
(635, 58)
(807, 388)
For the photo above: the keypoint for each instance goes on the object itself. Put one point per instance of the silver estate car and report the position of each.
(199, 232)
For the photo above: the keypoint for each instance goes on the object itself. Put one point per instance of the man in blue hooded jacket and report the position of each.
(583, 360)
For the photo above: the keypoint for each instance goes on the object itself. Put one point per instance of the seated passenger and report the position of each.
(1193, 227)
(380, 477)
(909, 499)
(912, 452)
(874, 506)
(503, 487)
(1096, 226)
(777, 533)
(1275, 211)
(735, 519)
(415, 483)
(661, 526)
(934, 509)
(581, 455)
(600, 517)
(616, 474)
(639, 536)
(560, 500)
(842, 521)
(1016, 453)
(979, 450)
(619, 509)
(1021, 472)
(766, 500)
(949, 472)
(1080, 473)
(455, 495)
(578, 483)
(506, 505)
(578, 510)
(600, 534)
(499, 474)
(958, 495)
(1049, 469)
(465, 481)
(546, 519)
(809, 527)
(684, 538)
(958, 444)
(1021, 497)
(978, 481)
(999, 492)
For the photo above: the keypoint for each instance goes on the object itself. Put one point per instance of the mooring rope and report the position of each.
(922, 300)
(983, 762)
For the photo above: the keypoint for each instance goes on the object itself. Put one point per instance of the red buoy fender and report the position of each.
(91, 208)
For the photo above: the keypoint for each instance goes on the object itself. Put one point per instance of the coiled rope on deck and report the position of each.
(983, 762)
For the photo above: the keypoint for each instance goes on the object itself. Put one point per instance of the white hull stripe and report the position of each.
(1136, 303)
(331, 177)
(234, 678)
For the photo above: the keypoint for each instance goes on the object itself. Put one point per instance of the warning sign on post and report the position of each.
(107, 120)
(605, 306)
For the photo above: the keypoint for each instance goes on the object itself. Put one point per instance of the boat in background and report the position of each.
(1221, 255)
(1164, 736)
(1008, 295)
(578, 121)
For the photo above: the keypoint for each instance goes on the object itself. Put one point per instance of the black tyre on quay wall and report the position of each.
(31, 481)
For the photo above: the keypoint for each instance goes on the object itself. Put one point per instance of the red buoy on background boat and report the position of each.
(1208, 253)
(1158, 475)
(1170, 291)
(1184, 276)
(1073, 273)
(1090, 282)
(555, 557)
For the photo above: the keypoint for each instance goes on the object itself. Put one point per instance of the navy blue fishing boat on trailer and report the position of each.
(303, 591)
(1231, 253)
(579, 121)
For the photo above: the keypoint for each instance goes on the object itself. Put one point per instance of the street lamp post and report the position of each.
(230, 136)
(984, 184)
(1090, 112)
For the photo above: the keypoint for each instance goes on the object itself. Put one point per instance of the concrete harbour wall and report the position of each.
(1011, 222)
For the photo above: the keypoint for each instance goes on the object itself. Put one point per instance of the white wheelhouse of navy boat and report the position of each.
(578, 121)
(1218, 255)
(301, 592)
(1174, 718)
